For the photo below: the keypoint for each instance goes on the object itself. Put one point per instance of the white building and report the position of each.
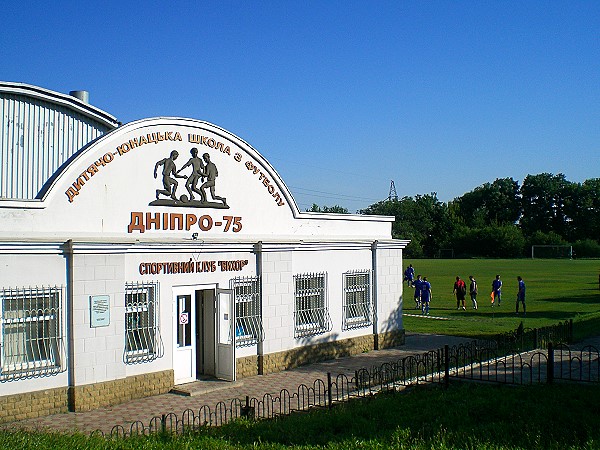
(137, 257)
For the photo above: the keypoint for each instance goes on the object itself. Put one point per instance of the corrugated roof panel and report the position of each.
(36, 138)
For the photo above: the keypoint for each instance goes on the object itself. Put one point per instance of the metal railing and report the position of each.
(524, 339)
(480, 361)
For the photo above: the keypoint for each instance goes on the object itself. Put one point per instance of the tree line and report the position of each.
(498, 219)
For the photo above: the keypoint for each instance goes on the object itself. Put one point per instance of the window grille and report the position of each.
(32, 340)
(248, 323)
(357, 305)
(142, 334)
(311, 314)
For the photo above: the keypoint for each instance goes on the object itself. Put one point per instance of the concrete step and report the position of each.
(204, 386)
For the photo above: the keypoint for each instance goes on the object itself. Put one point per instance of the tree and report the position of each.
(424, 220)
(550, 238)
(545, 200)
(496, 241)
(390, 208)
(498, 219)
(586, 248)
(498, 202)
(328, 209)
(585, 210)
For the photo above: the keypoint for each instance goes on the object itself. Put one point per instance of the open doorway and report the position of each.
(204, 345)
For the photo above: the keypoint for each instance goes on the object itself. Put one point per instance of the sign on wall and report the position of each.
(175, 179)
(99, 311)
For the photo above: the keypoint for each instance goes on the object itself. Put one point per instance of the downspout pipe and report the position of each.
(374, 289)
(70, 328)
(261, 338)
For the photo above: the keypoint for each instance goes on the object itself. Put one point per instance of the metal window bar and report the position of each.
(31, 337)
(311, 314)
(357, 305)
(143, 342)
(248, 322)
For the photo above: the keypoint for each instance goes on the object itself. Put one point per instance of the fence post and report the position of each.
(570, 331)
(446, 366)
(550, 368)
(522, 348)
(329, 396)
(163, 423)
(247, 410)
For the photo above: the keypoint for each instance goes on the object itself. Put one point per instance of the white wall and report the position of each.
(279, 268)
(278, 301)
(98, 350)
(35, 268)
(29, 267)
(389, 288)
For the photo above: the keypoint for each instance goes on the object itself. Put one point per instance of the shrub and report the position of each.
(587, 248)
(496, 241)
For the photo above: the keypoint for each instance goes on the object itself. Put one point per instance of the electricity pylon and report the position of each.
(393, 195)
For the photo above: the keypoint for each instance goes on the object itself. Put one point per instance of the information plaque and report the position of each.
(99, 311)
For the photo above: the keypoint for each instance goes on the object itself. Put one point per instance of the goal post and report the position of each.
(445, 253)
(552, 251)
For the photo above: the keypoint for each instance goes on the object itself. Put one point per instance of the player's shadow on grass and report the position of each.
(591, 299)
(504, 313)
(558, 316)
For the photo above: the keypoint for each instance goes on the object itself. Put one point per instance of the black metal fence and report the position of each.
(525, 339)
(482, 361)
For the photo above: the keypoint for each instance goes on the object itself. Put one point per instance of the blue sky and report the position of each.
(340, 97)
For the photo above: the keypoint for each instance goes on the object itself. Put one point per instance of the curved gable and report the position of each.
(175, 177)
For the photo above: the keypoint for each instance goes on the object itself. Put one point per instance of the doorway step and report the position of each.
(204, 386)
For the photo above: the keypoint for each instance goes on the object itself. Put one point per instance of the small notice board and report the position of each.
(99, 311)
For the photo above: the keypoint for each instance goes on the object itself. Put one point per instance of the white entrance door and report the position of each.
(225, 339)
(184, 357)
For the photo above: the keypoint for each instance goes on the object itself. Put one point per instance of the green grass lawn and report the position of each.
(557, 290)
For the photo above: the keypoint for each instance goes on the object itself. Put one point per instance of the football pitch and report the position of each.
(557, 290)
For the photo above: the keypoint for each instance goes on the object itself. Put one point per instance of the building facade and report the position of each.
(167, 250)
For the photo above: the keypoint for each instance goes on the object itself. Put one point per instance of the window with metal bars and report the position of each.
(311, 313)
(31, 341)
(142, 334)
(248, 323)
(357, 306)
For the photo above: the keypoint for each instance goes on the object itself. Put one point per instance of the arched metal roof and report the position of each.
(39, 131)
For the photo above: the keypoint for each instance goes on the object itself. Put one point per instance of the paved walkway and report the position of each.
(145, 409)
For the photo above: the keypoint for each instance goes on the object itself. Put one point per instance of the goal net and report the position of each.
(552, 251)
(445, 253)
